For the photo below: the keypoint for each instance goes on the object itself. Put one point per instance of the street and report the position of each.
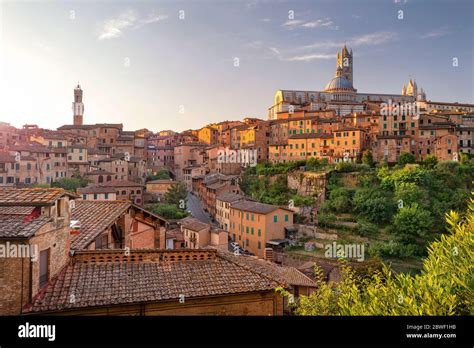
(195, 207)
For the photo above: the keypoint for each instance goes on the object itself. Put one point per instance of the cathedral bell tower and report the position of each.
(344, 61)
(78, 106)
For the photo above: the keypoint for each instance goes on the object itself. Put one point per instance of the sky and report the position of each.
(184, 64)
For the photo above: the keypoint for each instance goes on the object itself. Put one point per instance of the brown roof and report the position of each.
(229, 197)
(216, 185)
(95, 189)
(256, 207)
(161, 181)
(175, 233)
(192, 223)
(98, 172)
(163, 275)
(16, 210)
(31, 196)
(284, 274)
(13, 226)
(121, 183)
(311, 136)
(5, 157)
(94, 217)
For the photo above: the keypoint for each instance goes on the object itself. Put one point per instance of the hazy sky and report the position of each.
(140, 64)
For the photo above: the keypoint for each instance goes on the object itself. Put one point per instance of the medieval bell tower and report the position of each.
(344, 61)
(78, 106)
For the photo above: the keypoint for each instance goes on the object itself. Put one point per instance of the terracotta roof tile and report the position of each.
(192, 223)
(256, 207)
(125, 282)
(94, 217)
(12, 226)
(31, 196)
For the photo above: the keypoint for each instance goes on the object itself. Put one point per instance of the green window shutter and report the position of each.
(259, 232)
(252, 230)
(275, 218)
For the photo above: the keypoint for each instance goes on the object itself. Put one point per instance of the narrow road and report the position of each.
(195, 207)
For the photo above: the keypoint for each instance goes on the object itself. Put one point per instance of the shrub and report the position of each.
(326, 220)
(406, 158)
(365, 228)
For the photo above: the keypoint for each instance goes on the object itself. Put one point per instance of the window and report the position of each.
(251, 230)
(247, 216)
(275, 218)
(247, 230)
(259, 232)
(286, 217)
(84, 196)
(247, 242)
(95, 195)
(259, 245)
(44, 267)
(253, 217)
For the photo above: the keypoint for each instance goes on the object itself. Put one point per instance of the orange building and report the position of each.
(253, 224)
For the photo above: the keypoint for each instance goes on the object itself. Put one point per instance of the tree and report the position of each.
(162, 174)
(445, 285)
(70, 184)
(409, 193)
(406, 158)
(168, 211)
(368, 159)
(430, 161)
(374, 205)
(410, 223)
(176, 194)
(340, 199)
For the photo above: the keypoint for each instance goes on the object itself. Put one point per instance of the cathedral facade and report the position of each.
(339, 93)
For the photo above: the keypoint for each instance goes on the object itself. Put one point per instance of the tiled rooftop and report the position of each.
(229, 197)
(192, 223)
(94, 217)
(159, 276)
(13, 226)
(255, 207)
(31, 196)
(121, 183)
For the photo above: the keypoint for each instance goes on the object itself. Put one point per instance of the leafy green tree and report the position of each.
(168, 211)
(374, 205)
(176, 194)
(368, 159)
(410, 223)
(70, 184)
(406, 158)
(430, 161)
(341, 199)
(162, 174)
(445, 285)
(409, 193)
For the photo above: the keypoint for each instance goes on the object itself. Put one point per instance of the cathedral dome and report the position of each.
(337, 83)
